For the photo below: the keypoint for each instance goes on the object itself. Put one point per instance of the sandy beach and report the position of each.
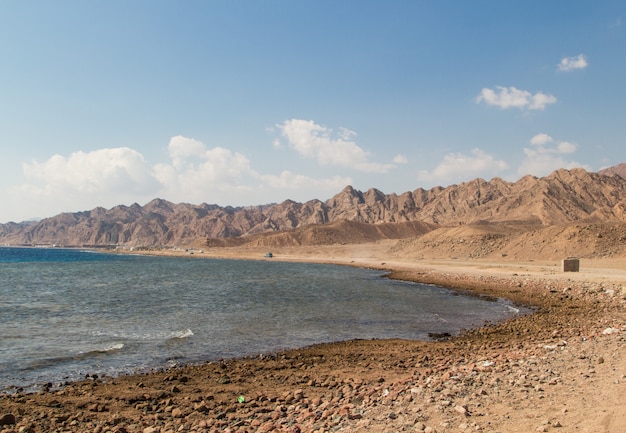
(560, 369)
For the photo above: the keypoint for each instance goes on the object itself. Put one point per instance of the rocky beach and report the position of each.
(561, 368)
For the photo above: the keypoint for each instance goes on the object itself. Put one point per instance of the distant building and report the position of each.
(571, 264)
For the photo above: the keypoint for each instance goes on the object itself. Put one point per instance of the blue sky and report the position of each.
(252, 102)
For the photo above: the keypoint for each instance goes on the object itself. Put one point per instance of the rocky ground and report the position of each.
(562, 368)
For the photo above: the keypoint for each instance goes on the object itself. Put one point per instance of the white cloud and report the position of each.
(291, 181)
(120, 170)
(321, 143)
(570, 63)
(460, 167)
(182, 150)
(81, 181)
(197, 173)
(566, 147)
(511, 97)
(194, 173)
(539, 100)
(541, 139)
(546, 155)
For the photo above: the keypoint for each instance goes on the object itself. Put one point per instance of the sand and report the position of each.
(562, 368)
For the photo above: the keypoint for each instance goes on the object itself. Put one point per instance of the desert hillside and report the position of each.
(505, 242)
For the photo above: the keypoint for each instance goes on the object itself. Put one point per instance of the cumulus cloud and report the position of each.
(541, 139)
(182, 149)
(546, 155)
(511, 97)
(460, 167)
(571, 63)
(81, 181)
(121, 170)
(329, 147)
(194, 173)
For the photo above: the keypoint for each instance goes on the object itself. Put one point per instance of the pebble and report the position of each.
(461, 409)
(7, 419)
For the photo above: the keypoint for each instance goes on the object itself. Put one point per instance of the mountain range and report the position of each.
(563, 197)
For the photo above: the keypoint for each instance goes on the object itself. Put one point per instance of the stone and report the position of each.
(298, 394)
(462, 409)
(7, 419)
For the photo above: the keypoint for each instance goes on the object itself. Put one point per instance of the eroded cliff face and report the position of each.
(565, 196)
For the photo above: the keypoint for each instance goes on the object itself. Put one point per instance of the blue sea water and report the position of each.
(66, 313)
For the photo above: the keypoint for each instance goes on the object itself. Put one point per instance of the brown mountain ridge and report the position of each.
(564, 197)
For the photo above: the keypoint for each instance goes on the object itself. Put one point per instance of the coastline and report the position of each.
(563, 366)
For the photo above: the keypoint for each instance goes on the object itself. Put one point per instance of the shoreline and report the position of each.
(556, 367)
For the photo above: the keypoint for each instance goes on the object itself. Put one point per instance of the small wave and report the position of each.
(111, 348)
(100, 351)
(185, 333)
(513, 309)
(156, 335)
(68, 359)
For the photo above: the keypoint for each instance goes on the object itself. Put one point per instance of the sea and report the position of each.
(69, 313)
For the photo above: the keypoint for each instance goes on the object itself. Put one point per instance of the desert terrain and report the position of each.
(560, 369)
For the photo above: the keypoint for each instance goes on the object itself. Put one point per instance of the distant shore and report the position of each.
(563, 366)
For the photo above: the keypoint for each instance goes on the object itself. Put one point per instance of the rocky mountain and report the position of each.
(619, 170)
(564, 196)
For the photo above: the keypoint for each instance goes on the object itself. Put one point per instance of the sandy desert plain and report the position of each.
(561, 369)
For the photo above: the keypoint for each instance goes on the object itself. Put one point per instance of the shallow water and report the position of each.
(68, 313)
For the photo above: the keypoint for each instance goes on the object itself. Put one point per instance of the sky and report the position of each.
(241, 103)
